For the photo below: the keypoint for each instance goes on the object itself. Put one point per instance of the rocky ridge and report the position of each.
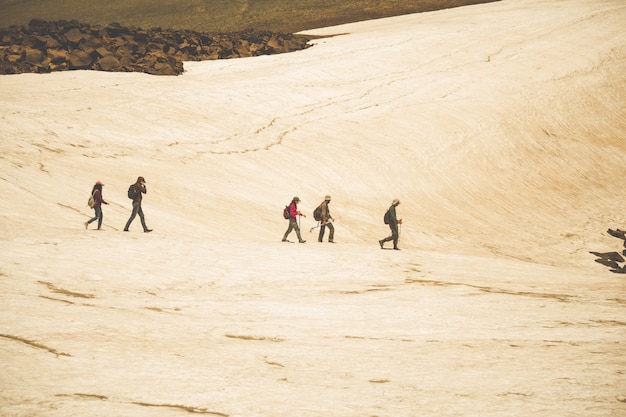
(43, 47)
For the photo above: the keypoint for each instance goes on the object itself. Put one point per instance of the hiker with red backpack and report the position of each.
(291, 212)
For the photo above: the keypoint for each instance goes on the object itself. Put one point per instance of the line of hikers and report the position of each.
(291, 212)
(321, 214)
(325, 219)
(135, 192)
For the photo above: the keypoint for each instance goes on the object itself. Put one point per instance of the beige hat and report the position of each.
(327, 198)
(296, 199)
(395, 201)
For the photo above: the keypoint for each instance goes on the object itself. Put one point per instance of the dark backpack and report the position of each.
(286, 213)
(132, 192)
(317, 213)
(387, 218)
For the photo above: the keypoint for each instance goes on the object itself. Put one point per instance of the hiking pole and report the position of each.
(318, 225)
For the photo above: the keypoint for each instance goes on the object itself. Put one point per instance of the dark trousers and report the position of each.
(136, 210)
(98, 216)
(394, 235)
(331, 232)
(293, 225)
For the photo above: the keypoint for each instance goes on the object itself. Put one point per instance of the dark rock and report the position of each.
(51, 42)
(58, 56)
(74, 36)
(80, 59)
(33, 56)
(14, 59)
(34, 41)
(62, 45)
(115, 30)
(109, 63)
(102, 51)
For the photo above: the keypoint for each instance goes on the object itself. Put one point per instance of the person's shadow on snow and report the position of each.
(613, 259)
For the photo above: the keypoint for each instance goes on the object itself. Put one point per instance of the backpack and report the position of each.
(317, 213)
(91, 201)
(387, 218)
(286, 213)
(132, 192)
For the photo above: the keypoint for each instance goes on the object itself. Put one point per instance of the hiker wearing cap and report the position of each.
(326, 220)
(96, 192)
(135, 192)
(393, 222)
(293, 220)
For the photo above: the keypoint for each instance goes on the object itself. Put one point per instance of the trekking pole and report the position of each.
(315, 227)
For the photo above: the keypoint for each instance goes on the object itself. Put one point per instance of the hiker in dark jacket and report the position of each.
(327, 220)
(96, 192)
(293, 220)
(137, 189)
(393, 225)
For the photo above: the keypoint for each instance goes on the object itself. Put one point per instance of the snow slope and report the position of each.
(500, 127)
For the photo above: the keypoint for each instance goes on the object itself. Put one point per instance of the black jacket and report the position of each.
(393, 220)
(139, 189)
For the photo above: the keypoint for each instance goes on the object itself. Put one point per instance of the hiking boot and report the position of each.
(331, 241)
(147, 230)
(302, 241)
(380, 242)
(86, 225)
(396, 248)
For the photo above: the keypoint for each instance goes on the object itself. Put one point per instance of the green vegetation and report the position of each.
(217, 15)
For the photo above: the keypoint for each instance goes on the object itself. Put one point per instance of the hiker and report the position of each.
(135, 192)
(326, 220)
(96, 192)
(293, 220)
(393, 221)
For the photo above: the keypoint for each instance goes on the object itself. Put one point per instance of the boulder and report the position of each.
(74, 36)
(123, 51)
(243, 49)
(34, 41)
(38, 25)
(13, 59)
(51, 42)
(33, 56)
(58, 56)
(115, 30)
(102, 51)
(80, 59)
(109, 63)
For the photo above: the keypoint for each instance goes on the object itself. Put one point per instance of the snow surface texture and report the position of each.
(500, 127)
